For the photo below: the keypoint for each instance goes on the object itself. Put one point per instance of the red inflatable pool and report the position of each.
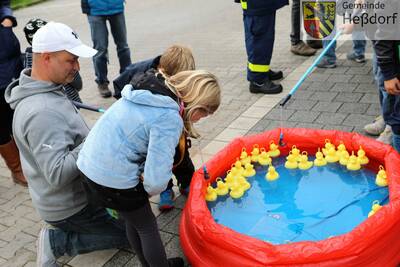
(375, 242)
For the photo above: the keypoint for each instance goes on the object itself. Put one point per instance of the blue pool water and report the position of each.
(301, 205)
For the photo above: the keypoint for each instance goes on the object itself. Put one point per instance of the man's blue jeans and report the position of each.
(89, 230)
(99, 32)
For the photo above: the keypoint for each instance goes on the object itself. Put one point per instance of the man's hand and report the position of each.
(393, 86)
(7, 22)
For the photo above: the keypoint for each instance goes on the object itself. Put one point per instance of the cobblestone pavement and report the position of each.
(344, 98)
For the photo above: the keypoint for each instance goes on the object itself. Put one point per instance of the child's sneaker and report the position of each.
(376, 127)
(353, 57)
(166, 200)
(326, 64)
(45, 256)
(184, 191)
(386, 136)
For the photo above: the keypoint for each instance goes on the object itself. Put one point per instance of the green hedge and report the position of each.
(15, 4)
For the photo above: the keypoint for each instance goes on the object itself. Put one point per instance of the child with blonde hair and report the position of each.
(175, 59)
(128, 156)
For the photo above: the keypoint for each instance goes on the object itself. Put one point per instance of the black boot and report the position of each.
(267, 87)
(275, 75)
(176, 262)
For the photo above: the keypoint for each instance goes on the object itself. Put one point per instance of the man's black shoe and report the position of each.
(275, 75)
(316, 44)
(267, 87)
(176, 262)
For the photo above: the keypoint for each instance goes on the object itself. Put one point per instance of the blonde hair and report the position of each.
(198, 90)
(175, 59)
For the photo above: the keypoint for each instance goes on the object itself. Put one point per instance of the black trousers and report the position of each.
(296, 23)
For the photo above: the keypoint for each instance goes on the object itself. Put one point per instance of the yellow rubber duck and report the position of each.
(264, 158)
(244, 183)
(235, 173)
(362, 158)
(319, 159)
(255, 153)
(211, 194)
(236, 192)
(249, 170)
(295, 152)
(291, 161)
(331, 155)
(344, 158)
(353, 164)
(273, 150)
(272, 174)
(238, 166)
(381, 178)
(328, 145)
(375, 208)
(244, 157)
(229, 178)
(341, 149)
(222, 189)
(304, 163)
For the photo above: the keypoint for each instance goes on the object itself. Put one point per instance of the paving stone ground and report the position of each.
(343, 98)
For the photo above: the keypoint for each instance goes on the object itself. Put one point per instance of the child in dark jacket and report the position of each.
(71, 89)
(175, 59)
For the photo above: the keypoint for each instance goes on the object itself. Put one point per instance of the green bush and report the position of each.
(15, 4)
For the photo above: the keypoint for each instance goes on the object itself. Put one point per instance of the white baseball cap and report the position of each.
(56, 36)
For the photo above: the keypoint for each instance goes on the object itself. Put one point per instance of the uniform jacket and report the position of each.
(49, 131)
(262, 7)
(137, 134)
(10, 53)
(102, 7)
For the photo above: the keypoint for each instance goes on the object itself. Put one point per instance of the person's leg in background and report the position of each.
(259, 39)
(118, 31)
(359, 44)
(329, 60)
(298, 46)
(8, 148)
(99, 33)
(379, 127)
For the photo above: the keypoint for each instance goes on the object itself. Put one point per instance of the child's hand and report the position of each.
(393, 86)
(347, 28)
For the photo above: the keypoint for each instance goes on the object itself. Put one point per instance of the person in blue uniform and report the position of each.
(259, 28)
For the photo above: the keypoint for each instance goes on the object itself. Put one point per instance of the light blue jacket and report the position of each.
(137, 134)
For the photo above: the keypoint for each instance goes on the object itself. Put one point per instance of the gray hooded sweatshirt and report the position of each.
(49, 131)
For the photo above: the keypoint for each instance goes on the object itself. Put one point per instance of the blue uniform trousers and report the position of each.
(259, 37)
